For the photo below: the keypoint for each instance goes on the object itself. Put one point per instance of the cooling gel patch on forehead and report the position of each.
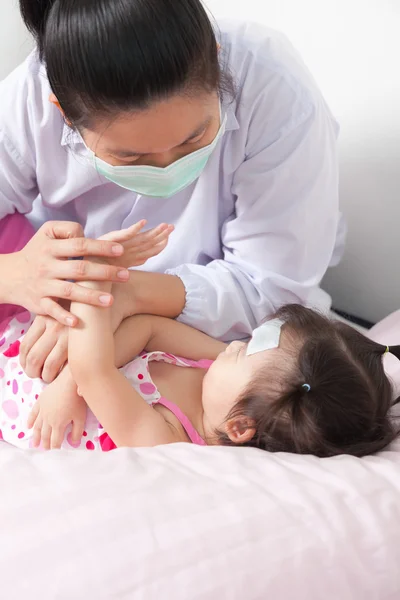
(265, 337)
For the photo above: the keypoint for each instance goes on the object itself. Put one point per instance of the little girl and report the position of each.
(302, 384)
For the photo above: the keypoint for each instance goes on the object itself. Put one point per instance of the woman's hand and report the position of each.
(139, 246)
(39, 274)
(58, 406)
(44, 349)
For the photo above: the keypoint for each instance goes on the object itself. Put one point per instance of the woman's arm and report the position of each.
(150, 293)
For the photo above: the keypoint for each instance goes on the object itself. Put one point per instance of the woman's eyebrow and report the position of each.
(129, 153)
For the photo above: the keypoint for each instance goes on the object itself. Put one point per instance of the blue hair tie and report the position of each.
(306, 387)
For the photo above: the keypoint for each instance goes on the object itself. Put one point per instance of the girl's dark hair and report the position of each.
(329, 394)
(107, 56)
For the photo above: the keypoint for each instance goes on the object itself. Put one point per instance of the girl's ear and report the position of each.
(240, 430)
(53, 100)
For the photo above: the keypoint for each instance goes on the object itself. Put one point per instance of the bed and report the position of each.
(191, 523)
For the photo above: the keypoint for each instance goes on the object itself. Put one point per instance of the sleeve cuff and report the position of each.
(195, 310)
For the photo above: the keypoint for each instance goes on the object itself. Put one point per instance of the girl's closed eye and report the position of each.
(241, 352)
(236, 350)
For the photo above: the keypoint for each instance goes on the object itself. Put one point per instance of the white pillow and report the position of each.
(387, 332)
(182, 522)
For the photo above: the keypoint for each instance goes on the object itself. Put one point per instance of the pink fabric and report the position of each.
(153, 523)
(18, 393)
(15, 233)
(193, 435)
(387, 332)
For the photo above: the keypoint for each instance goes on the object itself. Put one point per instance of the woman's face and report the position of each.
(159, 135)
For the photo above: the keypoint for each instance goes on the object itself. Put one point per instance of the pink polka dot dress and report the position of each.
(18, 392)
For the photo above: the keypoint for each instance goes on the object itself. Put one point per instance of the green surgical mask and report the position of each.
(160, 182)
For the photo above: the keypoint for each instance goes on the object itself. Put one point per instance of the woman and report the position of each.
(95, 128)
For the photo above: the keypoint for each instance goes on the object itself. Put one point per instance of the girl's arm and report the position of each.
(151, 333)
(127, 418)
(120, 409)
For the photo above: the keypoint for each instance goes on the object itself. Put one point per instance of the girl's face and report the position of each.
(227, 379)
(159, 135)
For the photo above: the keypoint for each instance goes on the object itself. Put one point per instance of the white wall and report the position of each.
(353, 49)
(15, 42)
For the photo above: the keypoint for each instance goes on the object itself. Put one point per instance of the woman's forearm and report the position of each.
(152, 294)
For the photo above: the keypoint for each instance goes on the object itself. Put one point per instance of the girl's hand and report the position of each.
(58, 406)
(39, 274)
(138, 246)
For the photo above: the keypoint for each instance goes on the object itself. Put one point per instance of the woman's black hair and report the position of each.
(107, 56)
(329, 394)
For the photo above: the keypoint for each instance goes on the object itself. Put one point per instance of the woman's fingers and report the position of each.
(62, 230)
(52, 308)
(85, 270)
(80, 246)
(78, 293)
(39, 353)
(74, 293)
(55, 360)
(35, 332)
